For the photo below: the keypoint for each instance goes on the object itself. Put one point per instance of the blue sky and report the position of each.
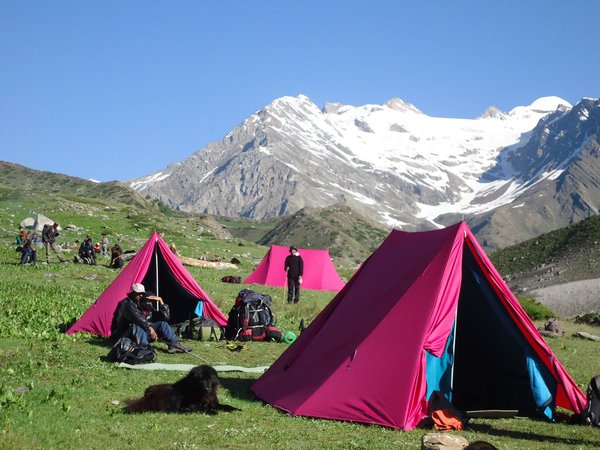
(113, 90)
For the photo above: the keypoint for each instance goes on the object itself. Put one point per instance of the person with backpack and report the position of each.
(138, 319)
(29, 253)
(294, 267)
(49, 234)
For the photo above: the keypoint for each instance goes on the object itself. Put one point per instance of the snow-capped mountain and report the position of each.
(392, 162)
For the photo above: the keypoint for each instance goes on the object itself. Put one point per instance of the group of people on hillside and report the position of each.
(27, 244)
(88, 251)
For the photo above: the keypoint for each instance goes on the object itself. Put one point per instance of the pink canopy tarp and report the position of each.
(363, 358)
(160, 271)
(319, 271)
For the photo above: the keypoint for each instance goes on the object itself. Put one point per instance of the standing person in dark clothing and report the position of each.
(136, 318)
(49, 234)
(294, 267)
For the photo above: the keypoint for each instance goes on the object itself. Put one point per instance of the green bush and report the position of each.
(591, 318)
(534, 309)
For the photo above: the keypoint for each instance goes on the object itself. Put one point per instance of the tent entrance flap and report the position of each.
(491, 361)
(182, 303)
(439, 370)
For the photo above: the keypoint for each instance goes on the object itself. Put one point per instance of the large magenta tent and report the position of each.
(159, 270)
(427, 311)
(319, 271)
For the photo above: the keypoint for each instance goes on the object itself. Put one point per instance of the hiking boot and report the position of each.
(176, 347)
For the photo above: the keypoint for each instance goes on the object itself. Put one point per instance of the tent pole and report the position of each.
(453, 352)
(156, 274)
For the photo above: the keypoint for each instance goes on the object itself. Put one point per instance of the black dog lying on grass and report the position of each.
(197, 391)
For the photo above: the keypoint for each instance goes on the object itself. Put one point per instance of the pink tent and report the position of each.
(319, 272)
(159, 270)
(427, 311)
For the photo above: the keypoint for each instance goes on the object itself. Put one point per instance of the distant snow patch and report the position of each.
(554, 175)
(389, 220)
(159, 176)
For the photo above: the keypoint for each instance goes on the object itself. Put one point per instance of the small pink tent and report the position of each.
(159, 270)
(319, 271)
(426, 312)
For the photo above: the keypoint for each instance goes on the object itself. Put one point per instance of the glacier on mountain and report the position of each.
(393, 159)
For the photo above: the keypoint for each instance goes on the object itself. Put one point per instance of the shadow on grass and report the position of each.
(527, 436)
(63, 327)
(100, 341)
(239, 387)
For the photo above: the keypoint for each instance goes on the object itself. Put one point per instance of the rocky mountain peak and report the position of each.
(398, 104)
(391, 162)
(493, 113)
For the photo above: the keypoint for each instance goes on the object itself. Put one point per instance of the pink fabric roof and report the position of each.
(98, 317)
(319, 271)
(363, 358)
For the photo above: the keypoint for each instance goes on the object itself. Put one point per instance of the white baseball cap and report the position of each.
(138, 288)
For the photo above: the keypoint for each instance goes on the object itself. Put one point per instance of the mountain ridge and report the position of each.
(391, 162)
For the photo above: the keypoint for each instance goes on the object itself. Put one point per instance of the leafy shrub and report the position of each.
(591, 318)
(534, 309)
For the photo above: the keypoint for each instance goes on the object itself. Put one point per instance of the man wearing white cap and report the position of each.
(137, 319)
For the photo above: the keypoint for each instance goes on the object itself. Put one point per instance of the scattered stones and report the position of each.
(550, 334)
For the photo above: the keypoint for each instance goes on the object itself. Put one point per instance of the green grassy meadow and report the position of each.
(56, 391)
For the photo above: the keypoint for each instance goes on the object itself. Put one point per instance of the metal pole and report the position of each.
(156, 275)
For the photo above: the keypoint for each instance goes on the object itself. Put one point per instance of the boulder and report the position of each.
(443, 441)
(584, 335)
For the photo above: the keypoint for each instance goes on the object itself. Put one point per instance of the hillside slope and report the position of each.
(22, 178)
(568, 254)
(348, 235)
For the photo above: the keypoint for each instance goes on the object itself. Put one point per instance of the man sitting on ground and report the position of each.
(138, 319)
(86, 252)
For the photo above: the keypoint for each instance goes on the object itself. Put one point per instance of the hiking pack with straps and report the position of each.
(591, 413)
(251, 318)
(127, 351)
(201, 328)
(45, 233)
